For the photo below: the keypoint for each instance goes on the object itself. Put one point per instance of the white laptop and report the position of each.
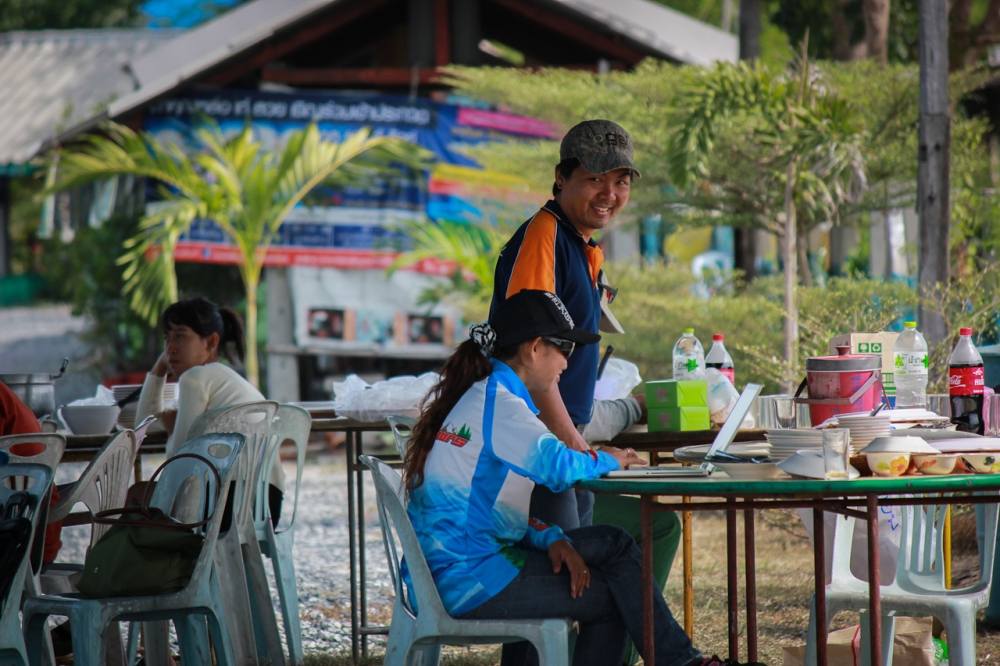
(722, 440)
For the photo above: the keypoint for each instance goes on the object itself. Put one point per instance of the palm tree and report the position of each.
(237, 183)
(793, 160)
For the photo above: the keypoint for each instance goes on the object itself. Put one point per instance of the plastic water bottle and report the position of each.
(910, 362)
(966, 381)
(689, 357)
(718, 357)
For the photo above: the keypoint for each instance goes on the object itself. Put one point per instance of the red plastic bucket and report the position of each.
(842, 384)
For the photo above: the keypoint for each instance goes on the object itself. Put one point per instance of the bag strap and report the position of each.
(155, 516)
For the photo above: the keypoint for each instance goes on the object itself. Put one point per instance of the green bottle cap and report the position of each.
(909, 324)
(688, 331)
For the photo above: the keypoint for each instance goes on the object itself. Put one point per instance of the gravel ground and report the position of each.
(322, 559)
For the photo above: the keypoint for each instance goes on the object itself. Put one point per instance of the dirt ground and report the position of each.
(784, 586)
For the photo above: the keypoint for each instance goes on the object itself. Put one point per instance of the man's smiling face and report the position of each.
(591, 200)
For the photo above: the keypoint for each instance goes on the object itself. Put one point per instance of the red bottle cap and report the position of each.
(965, 330)
(718, 337)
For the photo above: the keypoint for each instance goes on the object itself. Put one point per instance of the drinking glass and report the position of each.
(785, 411)
(991, 407)
(836, 452)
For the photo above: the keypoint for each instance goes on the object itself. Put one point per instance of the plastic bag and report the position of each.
(397, 396)
(619, 378)
(722, 398)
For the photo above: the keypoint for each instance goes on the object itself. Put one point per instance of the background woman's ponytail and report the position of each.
(464, 368)
(232, 332)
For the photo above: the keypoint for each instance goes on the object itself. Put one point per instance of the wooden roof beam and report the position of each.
(344, 76)
(275, 48)
(559, 23)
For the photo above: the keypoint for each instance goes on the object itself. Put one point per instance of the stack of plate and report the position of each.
(786, 442)
(126, 418)
(864, 428)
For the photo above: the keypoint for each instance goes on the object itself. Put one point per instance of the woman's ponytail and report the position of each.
(464, 368)
(232, 333)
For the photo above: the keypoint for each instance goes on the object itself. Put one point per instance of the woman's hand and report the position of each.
(561, 552)
(626, 457)
(161, 368)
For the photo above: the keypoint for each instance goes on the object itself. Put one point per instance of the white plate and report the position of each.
(899, 444)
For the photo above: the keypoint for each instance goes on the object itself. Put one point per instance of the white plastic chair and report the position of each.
(291, 425)
(52, 444)
(35, 481)
(419, 627)
(402, 428)
(918, 587)
(250, 617)
(202, 596)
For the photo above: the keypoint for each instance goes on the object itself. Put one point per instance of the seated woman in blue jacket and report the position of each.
(474, 457)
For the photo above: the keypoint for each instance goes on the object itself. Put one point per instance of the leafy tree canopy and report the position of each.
(65, 14)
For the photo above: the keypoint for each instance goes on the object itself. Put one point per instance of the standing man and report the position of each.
(555, 251)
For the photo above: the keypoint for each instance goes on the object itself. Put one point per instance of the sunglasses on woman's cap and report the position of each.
(565, 347)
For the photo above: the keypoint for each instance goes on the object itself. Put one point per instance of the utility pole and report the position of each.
(932, 162)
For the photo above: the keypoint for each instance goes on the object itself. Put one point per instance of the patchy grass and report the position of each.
(784, 589)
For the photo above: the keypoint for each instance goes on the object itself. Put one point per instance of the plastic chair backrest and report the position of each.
(252, 420)
(396, 525)
(402, 428)
(34, 448)
(291, 425)
(193, 479)
(34, 480)
(142, 429)
(103, 484)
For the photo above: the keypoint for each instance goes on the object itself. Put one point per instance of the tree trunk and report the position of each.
(745, 239)
(251, 279)
(876, 13)
(802, 251)
(791, 278)
(932, 166)
(749, 29)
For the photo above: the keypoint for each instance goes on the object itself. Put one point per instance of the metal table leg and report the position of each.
(732, 578)
(351, 455)
(750, 555)
(687, 539)
(646, 506)
(819, 572)
(362, 568)
(874, 589)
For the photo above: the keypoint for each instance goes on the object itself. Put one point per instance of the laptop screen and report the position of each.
(728, 432)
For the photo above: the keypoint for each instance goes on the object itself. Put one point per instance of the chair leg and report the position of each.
(960, 625)
(87, 651)
(157, 645)
(284, 576)
(265, 624)
(424, 655)
(192, 635)
(220, 637)
(34, 630)
(888, 638)
(554, 651)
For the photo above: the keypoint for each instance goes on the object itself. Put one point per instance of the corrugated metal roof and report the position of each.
(661, 29)
(54, 79)
(161, 70)
(210, 44)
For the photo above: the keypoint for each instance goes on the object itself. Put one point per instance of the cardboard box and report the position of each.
(677, 393)
(678, 419)
(879, 344)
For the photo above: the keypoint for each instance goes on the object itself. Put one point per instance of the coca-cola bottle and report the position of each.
(718, 357)
(965, 384)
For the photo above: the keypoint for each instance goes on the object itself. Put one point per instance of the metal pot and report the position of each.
(35, 389)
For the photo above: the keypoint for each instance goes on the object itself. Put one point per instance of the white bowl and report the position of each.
(809, 465)
(935, 463)
(897, 444)
(749, 470)
(888, 463)
(89, 419)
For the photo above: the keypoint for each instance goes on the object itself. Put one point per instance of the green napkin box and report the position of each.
(678, 419)
(677, 393)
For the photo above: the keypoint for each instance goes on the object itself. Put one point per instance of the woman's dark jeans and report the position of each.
(608, 611)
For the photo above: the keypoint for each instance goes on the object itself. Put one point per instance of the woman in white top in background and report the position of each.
(195, 331)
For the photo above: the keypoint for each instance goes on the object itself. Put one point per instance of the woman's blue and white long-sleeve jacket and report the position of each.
(471, 511)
